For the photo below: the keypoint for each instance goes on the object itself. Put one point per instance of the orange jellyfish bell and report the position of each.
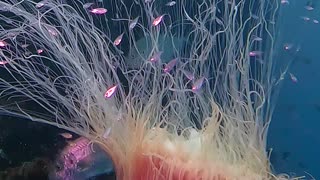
(159, 153)
(161, 158)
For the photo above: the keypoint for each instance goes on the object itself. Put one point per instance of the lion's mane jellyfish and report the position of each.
(170, 90)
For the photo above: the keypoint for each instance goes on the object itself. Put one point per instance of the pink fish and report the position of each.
(66, 135)
(52, 31)
(3, 62)
(157, 20)
(293, 78)
(3, 43)
(41, 4)
(197, 84)
(156, 57)
(188, 74)
(110, 91)
(118, 40)
(168, 67)
(87, 5)
(255, 53)
(99, 11)
(39, 51)
(284, 1)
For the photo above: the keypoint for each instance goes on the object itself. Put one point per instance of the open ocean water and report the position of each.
(294, 132)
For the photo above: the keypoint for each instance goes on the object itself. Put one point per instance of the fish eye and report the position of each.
(58, 167)
(71, 161)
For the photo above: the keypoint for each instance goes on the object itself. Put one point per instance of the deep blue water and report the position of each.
(294, 132)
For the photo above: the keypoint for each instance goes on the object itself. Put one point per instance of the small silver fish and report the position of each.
(157, 20)
(66, 135)
(188, 74)
(133, 23)
(197, 84)
(170, 65)
(41, 4)
(293, 78)
(156, 57)
(87, 5)
(3, 155)
(118, 40)
(171, 3)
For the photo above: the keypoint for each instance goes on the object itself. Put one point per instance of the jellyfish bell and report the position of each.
(216, 131)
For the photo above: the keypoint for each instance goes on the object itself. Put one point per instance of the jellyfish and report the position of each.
(206, 116)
